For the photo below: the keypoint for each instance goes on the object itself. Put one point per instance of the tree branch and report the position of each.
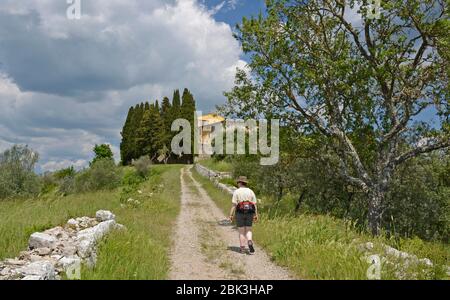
(421, 150)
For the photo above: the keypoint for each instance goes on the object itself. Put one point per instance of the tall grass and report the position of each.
(323, 247)
(219, 166)
(139, 252)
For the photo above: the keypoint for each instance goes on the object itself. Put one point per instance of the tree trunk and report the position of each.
(376, 197)
(299, 201)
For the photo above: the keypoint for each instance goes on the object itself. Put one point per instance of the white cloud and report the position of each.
(217, 8)
(66, 85)
(58, 165)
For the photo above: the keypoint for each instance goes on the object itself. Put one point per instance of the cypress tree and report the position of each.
(136, 149)
(167, 120)
(126, 154)
(176, 105)
(147, 129)
(187, 112)
(157, 133)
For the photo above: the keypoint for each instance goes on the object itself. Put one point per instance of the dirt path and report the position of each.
(205, 248)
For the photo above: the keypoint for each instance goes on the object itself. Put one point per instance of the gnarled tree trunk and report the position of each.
(376, 198)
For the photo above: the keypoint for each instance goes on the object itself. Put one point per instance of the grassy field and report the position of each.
(140, 252)
(219, 166)
(323, 247)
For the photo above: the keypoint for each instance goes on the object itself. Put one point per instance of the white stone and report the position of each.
(43, 270)
(32, 277)
(67, 262)
(104, 215)
(43, 251)
(85, 248)
(119, 227)
(426, 262)
(96, 232)
(34, 257)
(5, 271)
(69, 250)
(72, 223)
(41, 240)
(15, 262)
(368, 246)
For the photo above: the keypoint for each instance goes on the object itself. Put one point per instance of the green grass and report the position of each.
(140, 252)
(219, 166)
(323, 247)
(222, 199)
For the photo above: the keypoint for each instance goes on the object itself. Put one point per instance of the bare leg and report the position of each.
(248, 233)
(242, 238)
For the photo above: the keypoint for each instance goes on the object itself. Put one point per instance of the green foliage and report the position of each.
(217, 165)
(324, 247)
(17, 177)
(64, 173)
(132, 178)
(147, 129)
(355, 88)
(103, 174)
(126, 146)
(143, 166)
(139, 252)
(102, 152)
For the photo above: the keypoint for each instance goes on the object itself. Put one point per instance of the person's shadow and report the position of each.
(234, 249)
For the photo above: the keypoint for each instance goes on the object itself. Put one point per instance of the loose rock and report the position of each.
(42, 240)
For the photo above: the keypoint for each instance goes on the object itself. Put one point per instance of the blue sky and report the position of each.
(232, 12)
(66, 84)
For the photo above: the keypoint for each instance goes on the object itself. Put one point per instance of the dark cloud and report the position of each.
(67, 84)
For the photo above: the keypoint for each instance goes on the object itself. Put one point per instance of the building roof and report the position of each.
(211, 118)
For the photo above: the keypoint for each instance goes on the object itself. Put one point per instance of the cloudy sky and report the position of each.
(66, 84)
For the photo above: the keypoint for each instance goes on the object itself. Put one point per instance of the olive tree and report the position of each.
(17, 176)
(329, 67)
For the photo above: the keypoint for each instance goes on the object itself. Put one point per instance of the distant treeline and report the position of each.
(147, 129)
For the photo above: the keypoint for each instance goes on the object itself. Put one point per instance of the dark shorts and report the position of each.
(244, 220)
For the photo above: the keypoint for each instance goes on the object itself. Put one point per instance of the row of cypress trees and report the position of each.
(147, 132)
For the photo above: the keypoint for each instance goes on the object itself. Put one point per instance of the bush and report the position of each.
(142, 165)
(17, 177)
(48, 182)
(102, 175)
(131, 178)
(67, 185)
(64, 173)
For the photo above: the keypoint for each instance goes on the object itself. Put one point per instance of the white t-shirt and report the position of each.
(243, 194)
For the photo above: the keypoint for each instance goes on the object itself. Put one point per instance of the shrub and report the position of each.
(17, 177)
(102, 151)
(48, 183)
(142, 165)
(131, 178)
(103, 174)
(64, 173)
(67, 185)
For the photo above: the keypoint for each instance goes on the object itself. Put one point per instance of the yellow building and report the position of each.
(206, 125)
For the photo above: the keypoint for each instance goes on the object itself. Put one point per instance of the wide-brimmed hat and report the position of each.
(242, 179)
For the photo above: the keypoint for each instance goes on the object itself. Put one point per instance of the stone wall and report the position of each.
(61, 249)
(215, 178)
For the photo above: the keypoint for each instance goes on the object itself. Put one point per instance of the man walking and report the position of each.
(245, 211)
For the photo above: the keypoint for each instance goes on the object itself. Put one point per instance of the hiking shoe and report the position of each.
(250, 246)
